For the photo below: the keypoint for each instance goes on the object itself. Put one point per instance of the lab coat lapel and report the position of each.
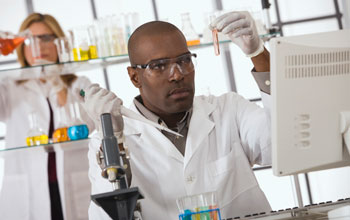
(150, 134)
(33, 85)
(200, 127)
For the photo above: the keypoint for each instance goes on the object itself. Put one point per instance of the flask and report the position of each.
(9, 42)
(35, 135)
(191, 36)
(61, 132)
(78, 130)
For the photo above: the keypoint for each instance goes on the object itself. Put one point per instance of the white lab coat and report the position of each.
(24, 193)
(226, 136)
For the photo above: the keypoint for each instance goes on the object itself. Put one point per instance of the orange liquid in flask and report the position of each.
(193, 42)
(60, 135)
(9, 45)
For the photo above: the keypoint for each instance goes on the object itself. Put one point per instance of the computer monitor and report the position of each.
(310, 89)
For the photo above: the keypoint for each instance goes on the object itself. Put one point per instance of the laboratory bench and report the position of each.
(309, 212)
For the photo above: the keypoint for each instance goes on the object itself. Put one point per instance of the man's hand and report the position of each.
(241, 29)
(97, 101)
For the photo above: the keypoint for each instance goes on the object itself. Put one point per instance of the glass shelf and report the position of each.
(34, 72)
(42, 71)
(47, 146)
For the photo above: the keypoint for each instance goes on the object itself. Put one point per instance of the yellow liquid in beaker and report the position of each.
(197, 216)
(193, 42)
(80, 55)
(93, 52)
(37, 140)
(60, 135)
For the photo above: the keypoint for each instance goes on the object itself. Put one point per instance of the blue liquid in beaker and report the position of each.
(77, 132)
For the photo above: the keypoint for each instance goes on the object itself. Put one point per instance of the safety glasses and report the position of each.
(166, 67)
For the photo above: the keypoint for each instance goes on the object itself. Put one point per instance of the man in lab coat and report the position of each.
(223, 136)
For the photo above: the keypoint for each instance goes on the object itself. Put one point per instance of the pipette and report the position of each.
(133, 115)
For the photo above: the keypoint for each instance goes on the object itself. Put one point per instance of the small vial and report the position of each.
(216, 42)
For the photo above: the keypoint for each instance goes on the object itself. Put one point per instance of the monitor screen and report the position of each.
(310, 89)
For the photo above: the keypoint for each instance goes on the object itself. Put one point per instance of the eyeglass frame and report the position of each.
(145, 66)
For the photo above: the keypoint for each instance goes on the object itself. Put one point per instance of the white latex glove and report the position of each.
(240, 27)
(97, 101)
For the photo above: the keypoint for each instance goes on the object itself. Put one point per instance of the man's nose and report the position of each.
(175, 72)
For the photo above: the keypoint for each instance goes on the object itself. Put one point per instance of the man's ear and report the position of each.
(134, 76)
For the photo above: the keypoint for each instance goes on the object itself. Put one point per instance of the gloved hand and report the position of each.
(240, 27)
(97, 101)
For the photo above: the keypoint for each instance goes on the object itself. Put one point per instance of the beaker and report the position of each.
(116, 36)
(199, 207)
(80, 45)
(93, 54)
(63, 49)
(191, 36)
(37, 45)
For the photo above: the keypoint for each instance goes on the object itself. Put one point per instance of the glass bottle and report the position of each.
(35, 135)
(9, 42)
(78, 130)
(191, 36)
(61, 132)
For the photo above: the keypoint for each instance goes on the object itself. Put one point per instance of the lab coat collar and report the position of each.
(139, 128)
(200, 119)
(33, 85)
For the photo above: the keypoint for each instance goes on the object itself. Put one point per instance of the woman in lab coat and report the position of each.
(25, 192)
(226, 134)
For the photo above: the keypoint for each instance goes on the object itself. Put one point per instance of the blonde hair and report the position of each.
(52, 23)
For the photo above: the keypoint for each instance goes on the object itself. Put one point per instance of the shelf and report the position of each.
(42, 71)
(46, 147)
(34, 72)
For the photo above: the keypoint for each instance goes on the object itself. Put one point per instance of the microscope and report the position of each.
(120, 204)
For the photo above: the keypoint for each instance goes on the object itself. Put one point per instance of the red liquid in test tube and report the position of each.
(216, 42)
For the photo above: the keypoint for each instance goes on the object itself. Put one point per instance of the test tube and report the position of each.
(216, 42)
(215, 37)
